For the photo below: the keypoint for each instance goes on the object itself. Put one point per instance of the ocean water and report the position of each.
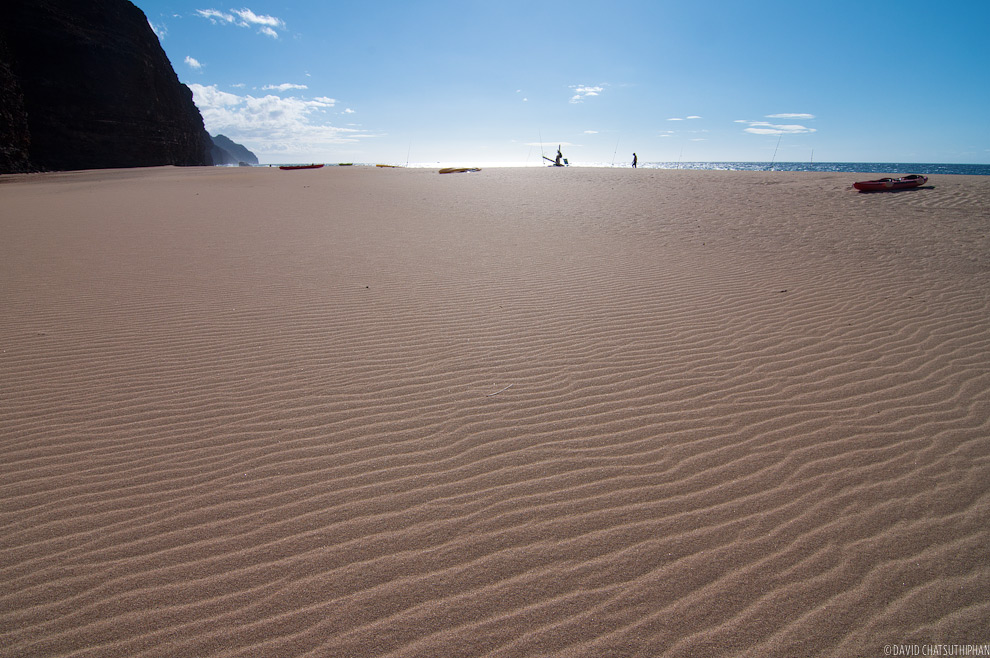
(927, 169)
(865, 167)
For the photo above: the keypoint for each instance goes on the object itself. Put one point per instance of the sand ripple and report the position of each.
(524, 412)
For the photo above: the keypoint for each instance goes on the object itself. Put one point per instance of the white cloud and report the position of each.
(272, 124)
(694, 116)
(160, 30)
(285, 86)
(675, 119)
(765, 128)
(590, 132)
(581, 92)
(215, 16)
(252, 18)
(244, 18)
(192, 62)
(208, 98)
(348, 110)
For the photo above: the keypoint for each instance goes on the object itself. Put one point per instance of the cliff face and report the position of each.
(14, 137)
(227, 151)
(98, 90)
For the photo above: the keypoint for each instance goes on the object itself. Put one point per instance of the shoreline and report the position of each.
(868, 169)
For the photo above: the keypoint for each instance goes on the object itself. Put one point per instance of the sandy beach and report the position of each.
(360, 411)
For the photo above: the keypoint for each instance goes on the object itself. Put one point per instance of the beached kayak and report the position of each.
(309, 166)
(891, 184)
(457, 170)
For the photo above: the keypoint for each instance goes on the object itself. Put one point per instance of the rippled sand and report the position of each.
(518, 412)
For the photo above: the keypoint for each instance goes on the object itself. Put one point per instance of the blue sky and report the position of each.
(692, 80)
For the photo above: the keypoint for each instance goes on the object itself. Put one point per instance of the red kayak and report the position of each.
(891, 184)
(312, 166)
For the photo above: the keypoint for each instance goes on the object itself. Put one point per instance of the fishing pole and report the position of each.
(615, 151)
(780, 137)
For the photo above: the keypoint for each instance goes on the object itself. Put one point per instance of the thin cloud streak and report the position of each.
(767, 128)
(285, 86)
(244, 18)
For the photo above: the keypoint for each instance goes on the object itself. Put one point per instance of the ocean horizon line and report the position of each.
(927, 168)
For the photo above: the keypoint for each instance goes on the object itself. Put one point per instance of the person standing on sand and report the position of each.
(634, 160)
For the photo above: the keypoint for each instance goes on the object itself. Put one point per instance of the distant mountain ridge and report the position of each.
(86, 85)
(227, 151)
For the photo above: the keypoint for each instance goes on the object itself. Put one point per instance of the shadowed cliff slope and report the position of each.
(227, 151)
(90, 87)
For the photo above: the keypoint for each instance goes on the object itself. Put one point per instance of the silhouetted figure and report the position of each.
(634, 160)
(560, 156)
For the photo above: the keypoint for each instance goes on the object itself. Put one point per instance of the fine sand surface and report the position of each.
(520, 412)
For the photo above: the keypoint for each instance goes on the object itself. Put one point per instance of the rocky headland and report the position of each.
(228, 152)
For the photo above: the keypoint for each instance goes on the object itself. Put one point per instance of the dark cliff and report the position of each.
(86, 85)
(14, 138)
